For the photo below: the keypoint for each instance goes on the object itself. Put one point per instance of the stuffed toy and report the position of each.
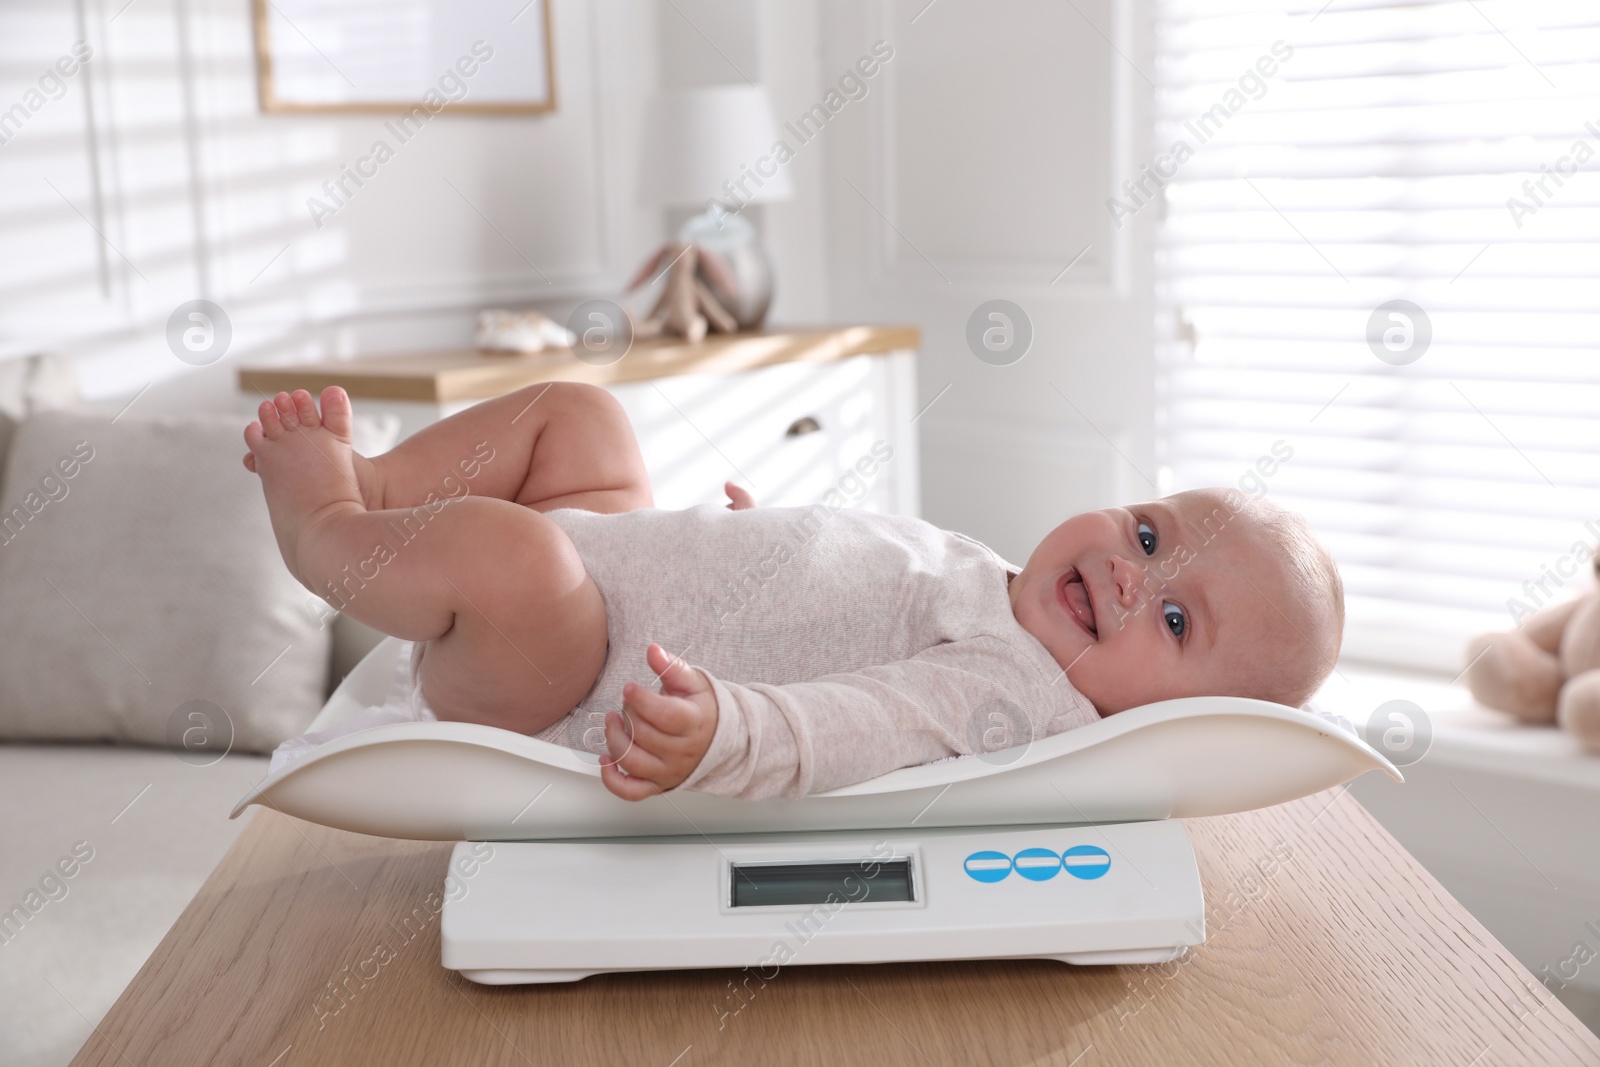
(1548, 671)
(687, 306)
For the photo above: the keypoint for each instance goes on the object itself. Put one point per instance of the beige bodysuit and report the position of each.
(841, 644)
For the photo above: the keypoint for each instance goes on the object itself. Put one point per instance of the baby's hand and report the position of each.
(738, 497)
(671, 730)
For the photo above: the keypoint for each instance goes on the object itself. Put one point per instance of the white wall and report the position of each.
(159, 146)
(976, 166)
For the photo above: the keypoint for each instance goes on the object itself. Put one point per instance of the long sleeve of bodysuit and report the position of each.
(955, 698)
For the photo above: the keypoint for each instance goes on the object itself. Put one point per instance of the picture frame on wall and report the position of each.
(477, 56)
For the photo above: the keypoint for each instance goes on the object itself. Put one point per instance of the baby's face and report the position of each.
(1154, 601)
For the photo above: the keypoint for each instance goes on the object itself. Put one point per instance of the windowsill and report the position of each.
(1465, 733)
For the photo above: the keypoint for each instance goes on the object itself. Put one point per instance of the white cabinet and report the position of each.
(796, 417)
(791, 433)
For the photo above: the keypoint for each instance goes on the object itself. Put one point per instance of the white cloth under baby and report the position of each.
(404, 703)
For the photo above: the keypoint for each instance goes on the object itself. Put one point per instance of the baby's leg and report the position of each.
(517, 629)
(555, 445)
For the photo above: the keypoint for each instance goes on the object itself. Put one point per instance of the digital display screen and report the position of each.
(850, 881)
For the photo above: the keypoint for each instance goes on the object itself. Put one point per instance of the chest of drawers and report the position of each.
(797, 417)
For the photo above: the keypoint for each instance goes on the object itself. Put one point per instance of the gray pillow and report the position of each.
(8, 426)
(145, 600)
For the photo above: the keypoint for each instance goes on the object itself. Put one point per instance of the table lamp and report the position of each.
(713, 148)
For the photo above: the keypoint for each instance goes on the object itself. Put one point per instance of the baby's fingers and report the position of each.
(677, 677)
(644, 770)
(664, 713)
(643, 731)
(626, 787)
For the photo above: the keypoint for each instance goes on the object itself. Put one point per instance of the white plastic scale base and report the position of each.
(561, 911)
(581, 881)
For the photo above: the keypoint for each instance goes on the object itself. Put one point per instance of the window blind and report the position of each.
(98, 232)
(1313, 162)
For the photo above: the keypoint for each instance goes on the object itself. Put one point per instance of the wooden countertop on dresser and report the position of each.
(468, 374)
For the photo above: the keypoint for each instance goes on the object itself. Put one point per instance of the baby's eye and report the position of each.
(1147, 538)
(1177, 622)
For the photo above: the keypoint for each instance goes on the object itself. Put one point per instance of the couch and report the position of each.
(107, 827)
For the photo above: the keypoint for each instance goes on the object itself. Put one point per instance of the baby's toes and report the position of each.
(254, 438)
(336, 412)
(270, 427)
(286, 411)
(305, 409)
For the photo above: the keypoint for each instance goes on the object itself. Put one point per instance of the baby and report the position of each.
(517, 544)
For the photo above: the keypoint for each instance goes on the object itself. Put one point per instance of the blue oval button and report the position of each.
(988, 866)
(1086, 861)
(1037, 864)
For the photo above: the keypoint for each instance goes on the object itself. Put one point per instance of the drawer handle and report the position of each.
(802, 426)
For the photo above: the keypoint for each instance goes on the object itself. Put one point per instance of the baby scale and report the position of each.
(1070, 848)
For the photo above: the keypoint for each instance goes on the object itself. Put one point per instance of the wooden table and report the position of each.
(1327, 943)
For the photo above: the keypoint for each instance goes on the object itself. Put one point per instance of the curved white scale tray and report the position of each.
(447, 781)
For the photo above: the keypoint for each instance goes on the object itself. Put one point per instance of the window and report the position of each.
(1322, 160)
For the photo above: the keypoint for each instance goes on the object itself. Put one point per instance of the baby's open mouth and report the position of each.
(1075, 596)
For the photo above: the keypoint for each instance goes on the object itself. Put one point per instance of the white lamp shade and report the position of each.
(698, 141)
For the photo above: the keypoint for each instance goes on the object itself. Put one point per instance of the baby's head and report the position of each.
(1203, 593)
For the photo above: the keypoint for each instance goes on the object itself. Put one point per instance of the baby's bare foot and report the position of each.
(367, 475)
(308, 469)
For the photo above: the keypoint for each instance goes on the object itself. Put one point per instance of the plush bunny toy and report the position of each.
(1548, 671)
